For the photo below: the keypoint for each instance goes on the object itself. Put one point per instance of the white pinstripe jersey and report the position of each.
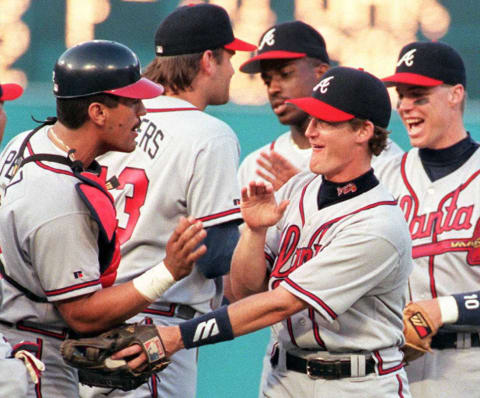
(349, 261)
(444, 221)
(300, 158)
(185, 164)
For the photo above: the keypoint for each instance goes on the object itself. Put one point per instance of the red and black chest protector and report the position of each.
(93, 192)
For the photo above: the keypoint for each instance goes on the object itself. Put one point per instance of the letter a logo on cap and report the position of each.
(268, 39)
(407, 58)
(323, 85)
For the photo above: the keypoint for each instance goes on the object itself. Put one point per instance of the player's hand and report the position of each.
(275, 169)
(432, 308)
(172, 341)
(259, 207)
(183, 247)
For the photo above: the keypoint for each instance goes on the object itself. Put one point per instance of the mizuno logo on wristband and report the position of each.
(205, 330)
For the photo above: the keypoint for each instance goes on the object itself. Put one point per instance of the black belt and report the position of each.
(442, 341)
(325, 369)
(181, 311)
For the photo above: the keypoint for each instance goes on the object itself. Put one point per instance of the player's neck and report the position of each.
(194, 97)
(66, 140)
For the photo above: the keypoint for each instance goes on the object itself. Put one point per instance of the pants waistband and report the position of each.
(181, 311)
(331, 369)
(460, 340)
(27, 326)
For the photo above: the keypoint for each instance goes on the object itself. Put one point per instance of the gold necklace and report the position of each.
(62, 144)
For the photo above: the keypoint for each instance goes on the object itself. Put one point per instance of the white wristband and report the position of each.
(448, 309)
(154, 282)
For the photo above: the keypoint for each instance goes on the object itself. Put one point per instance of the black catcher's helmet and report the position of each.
(101, 66)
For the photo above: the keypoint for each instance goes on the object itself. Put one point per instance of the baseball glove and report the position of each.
(91, 355)
(418, 329)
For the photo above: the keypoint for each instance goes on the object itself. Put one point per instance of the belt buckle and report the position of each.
(329, 370)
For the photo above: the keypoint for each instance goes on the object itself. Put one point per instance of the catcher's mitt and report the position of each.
(418, 329)
(91, 355)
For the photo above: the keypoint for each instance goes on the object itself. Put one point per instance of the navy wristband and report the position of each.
(468, 308)
(210, 328)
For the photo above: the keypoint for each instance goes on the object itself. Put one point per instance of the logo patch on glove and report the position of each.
(420, 325)
(154, 349)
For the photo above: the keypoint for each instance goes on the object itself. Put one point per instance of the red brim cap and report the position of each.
(10, 91)
(321, 110)
(411, 78)
(240, 45)
(252, 65)
(141, 89)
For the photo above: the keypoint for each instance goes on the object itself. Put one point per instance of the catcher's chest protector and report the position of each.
(94, 194)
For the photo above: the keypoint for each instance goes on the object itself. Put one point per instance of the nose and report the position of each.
(404, 104)
(142, 111)
(274, 86)
(311, 131)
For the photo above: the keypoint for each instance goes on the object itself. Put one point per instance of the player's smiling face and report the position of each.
(425, 112)
(332, 148)
(288, 79)
(122, 123)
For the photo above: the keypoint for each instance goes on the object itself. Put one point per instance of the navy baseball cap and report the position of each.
(289, 40)
(347, 93)
(10, 91)
(428, 64)
(196, 28)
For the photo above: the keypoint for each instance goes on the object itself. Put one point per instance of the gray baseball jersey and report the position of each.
(350, 262)
(39, 206)
(444, 221)
(185, 164)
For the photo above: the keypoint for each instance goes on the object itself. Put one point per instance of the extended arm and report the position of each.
(108, 307)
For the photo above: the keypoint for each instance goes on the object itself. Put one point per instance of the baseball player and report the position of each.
(185, 163)
(291, 59)
(57, 220)
(9, 365)
(437, 186)
(338, 256)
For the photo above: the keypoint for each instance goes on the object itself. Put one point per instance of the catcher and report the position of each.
(59, 245)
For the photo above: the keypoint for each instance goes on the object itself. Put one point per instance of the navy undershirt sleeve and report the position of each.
(221, 241)
(468, 308)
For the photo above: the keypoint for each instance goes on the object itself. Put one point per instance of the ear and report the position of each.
(365, 132)
(456, 94)
(97, 113)
(208, 63)
(319, 70)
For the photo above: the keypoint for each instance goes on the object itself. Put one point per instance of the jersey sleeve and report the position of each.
(66, 256)
(350, 267)
(213, 193)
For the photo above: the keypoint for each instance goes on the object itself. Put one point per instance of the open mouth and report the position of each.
(414, 125)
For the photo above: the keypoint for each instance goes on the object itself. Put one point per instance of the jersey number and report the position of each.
(135, 194)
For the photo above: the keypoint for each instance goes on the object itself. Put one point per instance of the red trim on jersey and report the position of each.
(318, 300)
(407, 184)
(269, 258)
(316, 331)
(381, 370)
(219, 215)
(157, 110)
(400, 386)
(72, 288)
(38, 386)
(300, 203)
(290, 331)
(44, 166)
(170, 312)
(44, 332)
